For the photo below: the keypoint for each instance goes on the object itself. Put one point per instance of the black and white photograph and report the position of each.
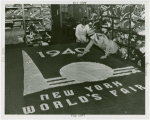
(75, 58)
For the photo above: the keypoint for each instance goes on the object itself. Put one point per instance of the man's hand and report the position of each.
(103, 57)
(80, 55)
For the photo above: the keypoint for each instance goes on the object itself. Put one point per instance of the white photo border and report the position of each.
(147, 21)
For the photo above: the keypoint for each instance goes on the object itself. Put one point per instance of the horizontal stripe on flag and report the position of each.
(123, 74)
(130, 67)
(56, 78)
(62, 82)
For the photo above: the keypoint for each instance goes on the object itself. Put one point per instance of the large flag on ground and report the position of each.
(52, 80)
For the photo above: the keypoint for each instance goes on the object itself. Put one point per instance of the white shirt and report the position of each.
(81, 32)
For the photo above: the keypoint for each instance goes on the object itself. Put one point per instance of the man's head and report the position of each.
(83, 22)
(90, 24)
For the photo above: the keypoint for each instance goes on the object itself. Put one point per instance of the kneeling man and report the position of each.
(101, 40)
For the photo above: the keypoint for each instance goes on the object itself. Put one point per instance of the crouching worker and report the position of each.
(101, 40)
(81, 31)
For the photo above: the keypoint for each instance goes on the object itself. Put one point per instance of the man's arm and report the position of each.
(87, 49)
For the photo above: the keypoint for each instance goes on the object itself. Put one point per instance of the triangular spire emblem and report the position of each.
(33, 79)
